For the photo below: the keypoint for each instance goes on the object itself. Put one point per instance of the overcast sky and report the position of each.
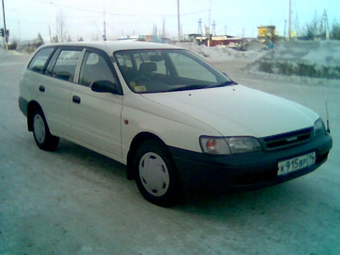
(26, 18)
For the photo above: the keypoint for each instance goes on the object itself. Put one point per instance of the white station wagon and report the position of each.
(172, 118)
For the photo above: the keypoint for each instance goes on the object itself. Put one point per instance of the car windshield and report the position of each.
(167, 70)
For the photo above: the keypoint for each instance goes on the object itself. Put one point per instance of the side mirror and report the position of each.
(104, 86)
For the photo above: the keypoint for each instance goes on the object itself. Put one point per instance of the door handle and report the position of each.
(42, 88)
(76, 99)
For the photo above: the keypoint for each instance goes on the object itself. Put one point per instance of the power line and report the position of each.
(121, 14)
(229, 29)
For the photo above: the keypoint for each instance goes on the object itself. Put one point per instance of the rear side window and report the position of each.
(65, 67)
(38, 62)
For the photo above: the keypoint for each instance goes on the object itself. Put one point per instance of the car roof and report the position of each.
(112, 46)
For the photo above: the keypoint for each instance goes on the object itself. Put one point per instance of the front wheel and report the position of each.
(155, 173)
(42, 136)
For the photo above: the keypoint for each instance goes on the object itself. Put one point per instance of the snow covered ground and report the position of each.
(75, 201)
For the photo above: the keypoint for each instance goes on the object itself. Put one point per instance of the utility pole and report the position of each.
(284, 32)
(214, 28)
(104, 24)
(209, 24)
(325, 26)
(19, 29)
(104, 35)
(49, 30)
(290, 21)
(163, 29)
(179, 22)
(200, 27)
(57, 26)
(5, 29)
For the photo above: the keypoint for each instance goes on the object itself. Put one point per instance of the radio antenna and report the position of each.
(327, 114)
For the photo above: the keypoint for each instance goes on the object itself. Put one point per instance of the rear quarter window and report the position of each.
(39, 61)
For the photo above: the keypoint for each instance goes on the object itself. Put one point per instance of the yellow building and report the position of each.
(266, 32)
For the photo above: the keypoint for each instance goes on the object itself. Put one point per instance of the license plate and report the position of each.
(294, 164)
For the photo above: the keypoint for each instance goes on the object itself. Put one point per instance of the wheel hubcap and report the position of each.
(154, 174)
(39, 128)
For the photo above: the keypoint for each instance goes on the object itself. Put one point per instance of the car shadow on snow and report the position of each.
(286, 196)
(79, 157)
(279, 201)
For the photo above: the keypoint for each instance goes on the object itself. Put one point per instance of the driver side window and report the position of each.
(94, 68)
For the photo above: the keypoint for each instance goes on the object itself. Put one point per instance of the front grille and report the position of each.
(287, 139)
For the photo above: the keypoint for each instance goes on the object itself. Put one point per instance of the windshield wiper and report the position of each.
(227, 83)
(197, 86)
(190, 87)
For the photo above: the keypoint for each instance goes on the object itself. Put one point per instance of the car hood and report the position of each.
(238, 110)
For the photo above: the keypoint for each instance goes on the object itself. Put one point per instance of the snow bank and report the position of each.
(222, 54)
(8, 53)
(317, 59)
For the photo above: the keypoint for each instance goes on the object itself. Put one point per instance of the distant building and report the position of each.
(266, 34)
(145, 38)
(222, 40)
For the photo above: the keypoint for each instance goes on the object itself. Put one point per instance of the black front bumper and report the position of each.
(216, 174)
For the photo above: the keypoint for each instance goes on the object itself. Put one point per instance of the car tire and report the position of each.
(155, 174)
(41, 132)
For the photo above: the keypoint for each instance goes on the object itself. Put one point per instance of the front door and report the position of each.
(96, 117)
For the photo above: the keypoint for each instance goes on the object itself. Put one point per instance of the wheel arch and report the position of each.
(138, 140)
(31, 108)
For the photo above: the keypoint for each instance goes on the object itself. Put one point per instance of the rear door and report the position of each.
(96, 117)
(55, 88)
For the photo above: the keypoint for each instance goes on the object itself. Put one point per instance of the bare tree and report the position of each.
(313, 29)
(297, 25)
(61, 26)
(38, 41)
(335, 31)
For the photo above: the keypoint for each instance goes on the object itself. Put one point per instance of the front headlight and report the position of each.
(229, 145)
(319, 127)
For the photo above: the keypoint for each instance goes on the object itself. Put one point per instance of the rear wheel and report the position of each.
(155, 174)
(42, 136)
